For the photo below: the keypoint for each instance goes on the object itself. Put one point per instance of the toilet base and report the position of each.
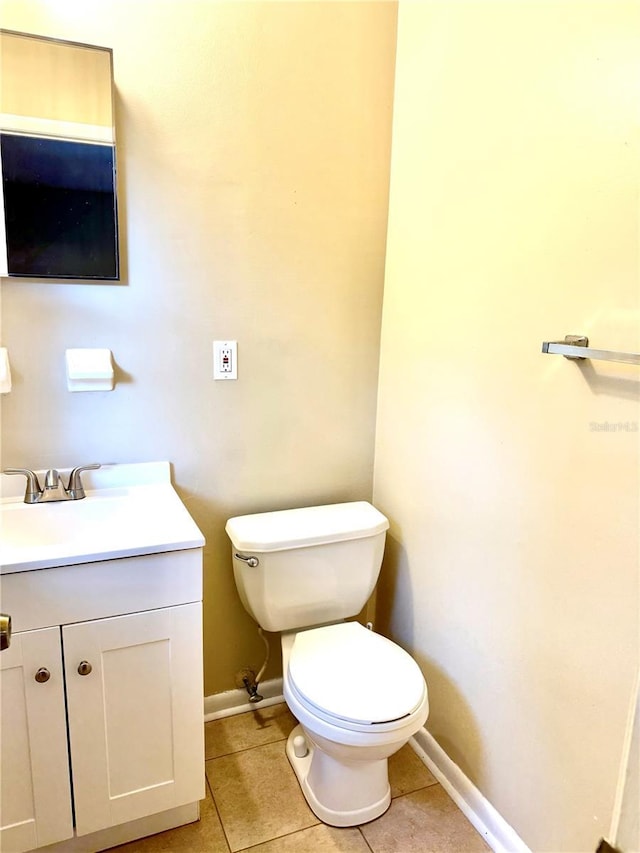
(340, 793)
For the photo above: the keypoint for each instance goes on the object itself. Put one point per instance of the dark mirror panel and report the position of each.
(58, 159)
(60, 208)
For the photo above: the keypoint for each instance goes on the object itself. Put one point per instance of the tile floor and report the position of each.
(253, 802)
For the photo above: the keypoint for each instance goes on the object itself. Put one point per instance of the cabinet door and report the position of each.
(34, 762)
(136, 719)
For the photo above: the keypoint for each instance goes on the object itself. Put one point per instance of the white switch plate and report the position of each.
(225, 359)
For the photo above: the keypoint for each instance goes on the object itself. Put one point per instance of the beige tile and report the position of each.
(257, 795)
(407, 773)
(242, 731)
(317, 839)
(205, 834)
(426, 821)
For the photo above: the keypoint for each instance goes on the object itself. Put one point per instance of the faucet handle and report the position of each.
(33, 490)
(51, 479)
(75, 489)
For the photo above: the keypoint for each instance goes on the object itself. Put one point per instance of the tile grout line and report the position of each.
(277, 838)
(318, 822)
(245, 749)
(217, 811)
(362, 836)
(413, 791)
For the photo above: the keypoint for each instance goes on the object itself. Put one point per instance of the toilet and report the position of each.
(358, 697)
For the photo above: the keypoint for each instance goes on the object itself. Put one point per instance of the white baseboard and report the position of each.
(501, 837)
(237, 701)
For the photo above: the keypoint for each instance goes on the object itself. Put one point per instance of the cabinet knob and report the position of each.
(42, 675)
(84, 667)
(5, 631)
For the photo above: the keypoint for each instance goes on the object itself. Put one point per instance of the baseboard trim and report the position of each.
(501, 837)
(236, 701)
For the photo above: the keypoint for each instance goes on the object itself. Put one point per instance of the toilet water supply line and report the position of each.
(251, 683)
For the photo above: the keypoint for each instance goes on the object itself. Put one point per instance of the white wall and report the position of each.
(253, 154)
(511, 477)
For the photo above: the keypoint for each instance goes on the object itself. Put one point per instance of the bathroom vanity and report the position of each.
(101, 686)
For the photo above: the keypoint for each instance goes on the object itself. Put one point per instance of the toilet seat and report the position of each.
(353, 678)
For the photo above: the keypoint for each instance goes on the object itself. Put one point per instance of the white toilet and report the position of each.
(358, 696)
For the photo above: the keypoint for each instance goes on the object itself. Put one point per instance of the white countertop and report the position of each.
(129, 510)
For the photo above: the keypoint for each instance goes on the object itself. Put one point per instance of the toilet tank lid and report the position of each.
(299, 528)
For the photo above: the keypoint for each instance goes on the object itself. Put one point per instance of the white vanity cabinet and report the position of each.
(102, 702)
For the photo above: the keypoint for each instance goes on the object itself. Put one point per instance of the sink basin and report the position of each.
(111, 522)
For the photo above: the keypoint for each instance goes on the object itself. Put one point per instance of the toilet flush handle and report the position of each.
(252, 562)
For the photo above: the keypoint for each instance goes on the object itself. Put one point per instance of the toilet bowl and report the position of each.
(358, 698)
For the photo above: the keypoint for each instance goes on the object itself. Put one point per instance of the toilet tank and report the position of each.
(314, 565)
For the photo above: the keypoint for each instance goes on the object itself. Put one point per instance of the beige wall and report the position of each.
(253, 144)
(512, 569)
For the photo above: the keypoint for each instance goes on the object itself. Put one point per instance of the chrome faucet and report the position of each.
(54, 489)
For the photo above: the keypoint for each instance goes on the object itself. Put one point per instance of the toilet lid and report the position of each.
(352, 674)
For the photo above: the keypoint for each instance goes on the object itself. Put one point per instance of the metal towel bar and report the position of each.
(577, 346)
